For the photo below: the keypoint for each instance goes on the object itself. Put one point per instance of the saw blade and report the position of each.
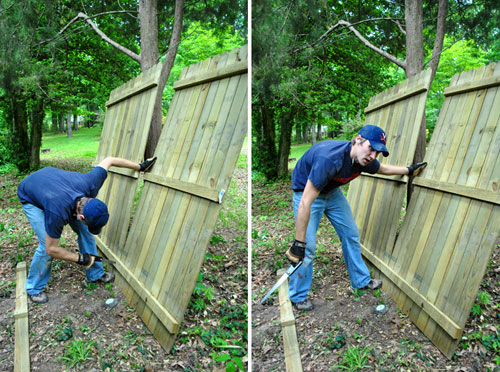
(280, 281)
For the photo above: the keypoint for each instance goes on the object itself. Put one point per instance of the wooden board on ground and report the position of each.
(197, 152)
(377, 201)
(22, 341)
(290, 344)
(451, 226)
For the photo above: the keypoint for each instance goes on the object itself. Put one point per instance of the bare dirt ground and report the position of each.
(343, 332)
(213, 334)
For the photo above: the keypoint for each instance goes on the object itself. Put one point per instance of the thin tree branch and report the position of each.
(6, 8)
(128, 12)
(111, 42)
(384, 54)
(440, 32)
(176, 32)
(345, 23)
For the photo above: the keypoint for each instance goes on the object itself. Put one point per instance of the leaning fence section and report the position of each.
(452, 224)
(182, 195)
(377, 200)
(124, 134)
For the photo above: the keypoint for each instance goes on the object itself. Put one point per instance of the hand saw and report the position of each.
(102, 259)
(288, 273)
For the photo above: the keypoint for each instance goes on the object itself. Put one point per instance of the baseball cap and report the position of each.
(96, 215)
(376, 136)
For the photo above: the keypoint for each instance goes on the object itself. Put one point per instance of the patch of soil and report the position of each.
(121, 341)
(342, 319)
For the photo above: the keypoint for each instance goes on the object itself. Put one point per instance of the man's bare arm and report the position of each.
(304, 211)
(111, 161)
(53, 250)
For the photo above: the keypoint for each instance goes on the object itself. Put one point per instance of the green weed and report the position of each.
(353, 359)
(77, 352)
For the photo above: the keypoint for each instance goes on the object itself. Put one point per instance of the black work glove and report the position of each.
(86, 260)
(415, 169)
(147, 164)
(296, 252)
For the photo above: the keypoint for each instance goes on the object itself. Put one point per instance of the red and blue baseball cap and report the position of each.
(96, 215)
(376, 136)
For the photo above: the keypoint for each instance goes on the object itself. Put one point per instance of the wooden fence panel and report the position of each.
(434, 269)
(176, 215)
(377, 200)
(124, 134)
(451, 226)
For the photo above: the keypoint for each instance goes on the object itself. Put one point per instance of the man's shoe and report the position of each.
(106, 278)
(305, 305)
(374, 284)
(39, 298)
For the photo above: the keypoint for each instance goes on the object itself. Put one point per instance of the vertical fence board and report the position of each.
(159, 262)
(451, 225)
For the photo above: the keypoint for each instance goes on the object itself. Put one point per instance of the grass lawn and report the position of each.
(83, 144)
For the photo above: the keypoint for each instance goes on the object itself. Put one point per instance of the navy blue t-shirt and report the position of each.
(328, 164)
(56, 192)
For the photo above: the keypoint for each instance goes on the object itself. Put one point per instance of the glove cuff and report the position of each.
(83, 259)
(298, 248)
(146, 164)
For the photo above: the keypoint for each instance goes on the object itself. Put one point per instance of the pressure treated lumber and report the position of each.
(287, 321)
(434, 269)
(377, 200)
(22, 341)
(159, 253)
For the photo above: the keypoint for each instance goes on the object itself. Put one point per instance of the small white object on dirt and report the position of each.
(111, 302)
(381, 309)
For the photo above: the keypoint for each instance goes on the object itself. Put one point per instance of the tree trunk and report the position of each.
(285, 143)
(75, 122)
(156, 122)
(20, 139)
(148, 19)
(68, 124)
(60, 122)
(414, 37)
(37, 116)
(298, 133)
(313, 134)
(268, 145)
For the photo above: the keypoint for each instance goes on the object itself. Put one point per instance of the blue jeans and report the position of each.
(39, 272)
(336, 208)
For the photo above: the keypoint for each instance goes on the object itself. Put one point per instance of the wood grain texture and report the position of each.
(176, 214)
(22, 340)
(434, 269)
(293, 362)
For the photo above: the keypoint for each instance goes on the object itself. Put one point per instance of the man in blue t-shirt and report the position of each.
(315, 183)
(52, 198)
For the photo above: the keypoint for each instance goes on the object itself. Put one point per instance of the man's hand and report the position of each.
(147, 164)
(86, 260)
(296, 252)
(415, 169)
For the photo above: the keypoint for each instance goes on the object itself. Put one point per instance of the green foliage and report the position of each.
(77, 352)
(457, 56)
(482, 300)
(353, 359)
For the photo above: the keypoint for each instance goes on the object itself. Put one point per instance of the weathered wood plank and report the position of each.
(489, 82)
(190, 188)
(231, 70)
(287, 320)
(171, 323)
(21, 341)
